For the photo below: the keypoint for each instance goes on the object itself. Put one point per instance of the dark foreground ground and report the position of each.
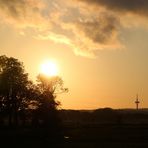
(88, 136)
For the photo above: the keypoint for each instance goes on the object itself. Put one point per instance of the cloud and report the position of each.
(57, 38)
(86, 37)
(63, 22)
(22, 13)
(94, 34)
(86, 26)
(100, 30)
(139, 7)
(86, 33)
(98, 24)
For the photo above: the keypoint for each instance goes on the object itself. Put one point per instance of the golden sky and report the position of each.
(100, 47)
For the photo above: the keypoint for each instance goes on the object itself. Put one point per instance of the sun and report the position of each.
(49, 68)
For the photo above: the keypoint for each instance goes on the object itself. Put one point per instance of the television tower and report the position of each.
(137, 102)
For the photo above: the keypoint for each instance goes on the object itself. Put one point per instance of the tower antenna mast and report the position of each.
(137, 102)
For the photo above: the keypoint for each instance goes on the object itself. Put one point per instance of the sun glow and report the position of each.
(49, 68)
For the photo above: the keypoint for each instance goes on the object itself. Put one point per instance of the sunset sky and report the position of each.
(99, 46)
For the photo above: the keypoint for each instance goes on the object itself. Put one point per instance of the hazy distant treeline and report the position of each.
(104, 116)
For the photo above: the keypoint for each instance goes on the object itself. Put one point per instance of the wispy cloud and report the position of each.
(23, 13)
(57, 38)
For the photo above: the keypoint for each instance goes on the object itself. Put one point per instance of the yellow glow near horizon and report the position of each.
(49, 68)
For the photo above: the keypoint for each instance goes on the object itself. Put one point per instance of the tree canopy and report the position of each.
(13, 87)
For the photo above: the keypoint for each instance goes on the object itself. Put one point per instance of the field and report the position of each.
(82, 130)
(109, 136)
(104, 136)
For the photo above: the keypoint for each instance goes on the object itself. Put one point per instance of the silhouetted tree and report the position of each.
(13, 87)
(46, 113)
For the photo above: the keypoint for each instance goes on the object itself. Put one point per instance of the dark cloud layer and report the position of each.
(101, 30)
(130, 6)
